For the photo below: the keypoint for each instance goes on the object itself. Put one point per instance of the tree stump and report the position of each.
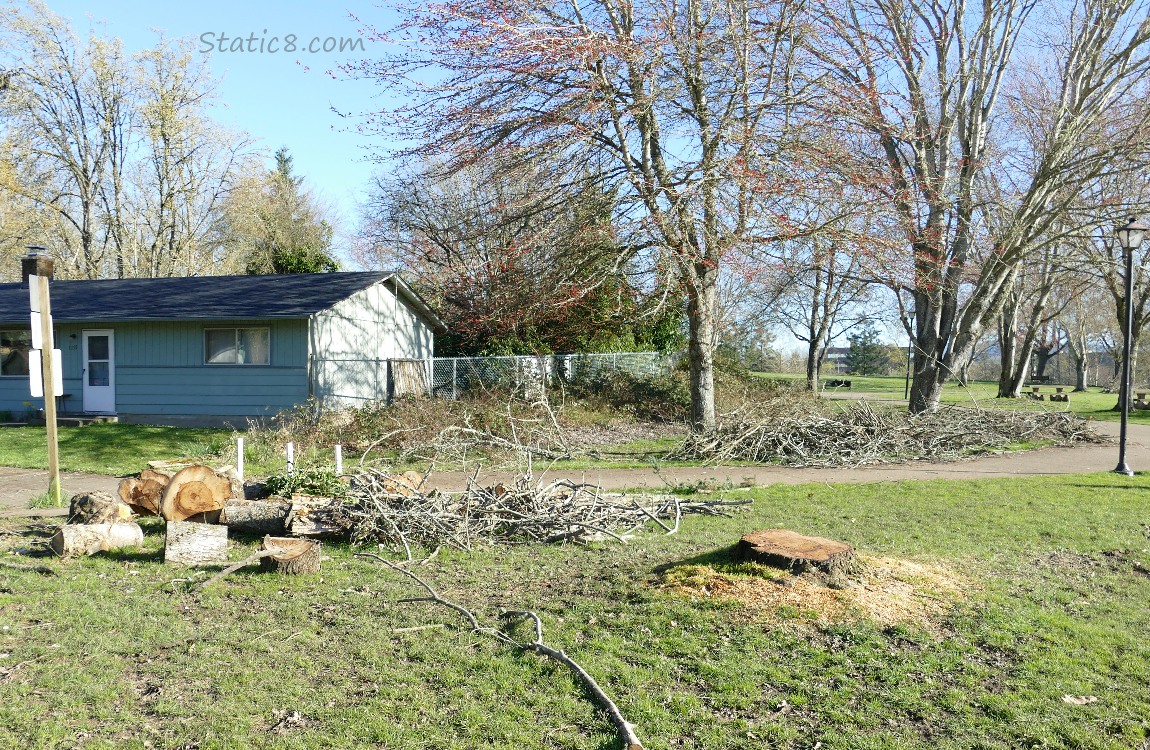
(255, 516)
(88, 539)
(296, 556)
(195, 493)
(98, 507)
(785, 549)
(191, 543)
(144, 492)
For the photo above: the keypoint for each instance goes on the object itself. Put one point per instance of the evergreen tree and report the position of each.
(867, 355)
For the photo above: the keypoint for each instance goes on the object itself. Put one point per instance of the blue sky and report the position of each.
(281, 98)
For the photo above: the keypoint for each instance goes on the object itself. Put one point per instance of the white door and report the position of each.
(99, 373)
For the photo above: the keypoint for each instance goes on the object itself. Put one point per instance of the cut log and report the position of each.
(196, 493)
(301, 523)
(190, 543)
(98, 507)
(292, 556)
(88, 539)
(143, 493)
(785, 549)
(255, 516)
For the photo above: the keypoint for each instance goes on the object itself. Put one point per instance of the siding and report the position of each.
(160, 370)
(353, 340)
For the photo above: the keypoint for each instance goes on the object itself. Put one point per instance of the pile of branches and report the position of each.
(859, 435)
(381, 510)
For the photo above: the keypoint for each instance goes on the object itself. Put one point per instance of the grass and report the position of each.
(108, 654)
(109, 448)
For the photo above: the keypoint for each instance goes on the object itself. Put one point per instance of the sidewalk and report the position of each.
(19, 486)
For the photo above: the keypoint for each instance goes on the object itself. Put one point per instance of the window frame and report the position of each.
(17, 330)
(236, 332)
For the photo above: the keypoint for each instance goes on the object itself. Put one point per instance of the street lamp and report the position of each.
(1129, 237)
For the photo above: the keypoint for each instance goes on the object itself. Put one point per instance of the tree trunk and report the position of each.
(88, 539)
(814, 366)
(255, 516)
(98, 507)
(701, 305)
(190, 543)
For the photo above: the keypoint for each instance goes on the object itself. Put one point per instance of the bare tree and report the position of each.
(686, 110)
(969, 120)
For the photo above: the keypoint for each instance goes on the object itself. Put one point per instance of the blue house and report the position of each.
(215, 349)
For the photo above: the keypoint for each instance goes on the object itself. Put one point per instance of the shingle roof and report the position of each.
(198, 297)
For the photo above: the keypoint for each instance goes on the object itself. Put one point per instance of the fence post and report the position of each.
(455, 378)
(338, 459)
(240, 458)
(290, 448)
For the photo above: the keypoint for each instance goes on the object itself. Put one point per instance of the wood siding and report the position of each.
(353, 341)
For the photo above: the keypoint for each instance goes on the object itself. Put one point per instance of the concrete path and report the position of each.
(19, 486)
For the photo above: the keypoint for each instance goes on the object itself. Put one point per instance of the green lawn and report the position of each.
(1093, 403)
(109, 448)
(108, 654)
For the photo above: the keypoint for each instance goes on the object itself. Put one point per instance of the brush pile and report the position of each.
(858, 435)
(399, 515)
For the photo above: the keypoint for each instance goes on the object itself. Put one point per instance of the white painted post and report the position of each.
(291, 458)
(240, 458)
(338, 459)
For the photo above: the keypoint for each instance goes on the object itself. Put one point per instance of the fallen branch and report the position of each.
(623, 728)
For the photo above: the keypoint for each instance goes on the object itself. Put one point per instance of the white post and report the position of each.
(240, 458)
(291, 458)
(338, 459)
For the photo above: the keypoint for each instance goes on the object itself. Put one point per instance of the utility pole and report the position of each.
(44, 359)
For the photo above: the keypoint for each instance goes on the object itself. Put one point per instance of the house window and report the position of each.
(14, 349)
(237, 346)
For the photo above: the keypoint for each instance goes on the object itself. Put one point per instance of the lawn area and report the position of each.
(107, 653)
(109, 448)
(1093, 403)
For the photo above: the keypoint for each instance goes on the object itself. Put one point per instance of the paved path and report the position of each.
(19, 486)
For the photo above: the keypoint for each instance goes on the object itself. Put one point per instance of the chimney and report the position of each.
(36, 263)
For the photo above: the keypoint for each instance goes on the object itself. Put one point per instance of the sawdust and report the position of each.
(886, 590)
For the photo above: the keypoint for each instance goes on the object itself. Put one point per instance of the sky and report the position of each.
(280, 98)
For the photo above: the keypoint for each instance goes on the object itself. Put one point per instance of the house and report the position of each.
(214, 349)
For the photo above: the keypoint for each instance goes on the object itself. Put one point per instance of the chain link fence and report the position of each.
(452, 377)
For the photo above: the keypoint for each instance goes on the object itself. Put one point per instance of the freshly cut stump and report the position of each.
(196, 493)
(785, 549)
(190, 543)
(297, 556)
(88, 539)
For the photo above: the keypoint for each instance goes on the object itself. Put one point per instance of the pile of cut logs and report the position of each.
(199, 505)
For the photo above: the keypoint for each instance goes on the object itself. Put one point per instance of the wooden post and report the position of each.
(36, 269)
(338, 459)
(240, 458)
(291, 458)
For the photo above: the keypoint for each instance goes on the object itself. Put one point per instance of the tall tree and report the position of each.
(982, 140)
(515, 263)
(685, 109)
(277, 225)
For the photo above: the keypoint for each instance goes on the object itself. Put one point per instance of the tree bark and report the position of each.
(88, 539)
(702, 298)
(255, 516)
(190, 543)
(98, 507)
(295, 556)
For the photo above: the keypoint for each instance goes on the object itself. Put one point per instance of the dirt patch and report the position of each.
(887, 590)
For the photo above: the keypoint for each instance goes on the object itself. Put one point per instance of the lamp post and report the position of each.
(1129, 237)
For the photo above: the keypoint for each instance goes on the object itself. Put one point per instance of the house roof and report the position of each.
(205, 297)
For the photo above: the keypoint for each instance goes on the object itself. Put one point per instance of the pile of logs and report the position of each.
(199, 505)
